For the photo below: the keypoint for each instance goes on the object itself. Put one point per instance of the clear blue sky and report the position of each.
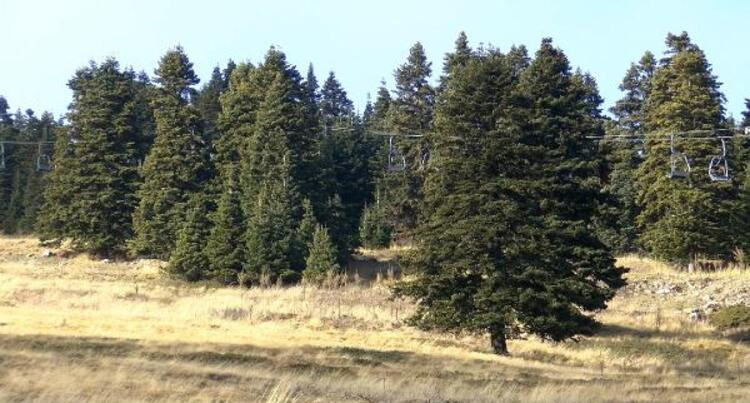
(45, 41)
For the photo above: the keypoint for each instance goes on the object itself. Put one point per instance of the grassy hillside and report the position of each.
(75, 329)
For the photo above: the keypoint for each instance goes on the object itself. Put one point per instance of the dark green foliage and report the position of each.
(270, 237)
(637, 86)
(5, 118)
(456, 59)
(321, 261)
(145, 127)
(177, 165)
(344, 168)
(681, 219)
(278, 146)
(21, 183)
(13, 211)
(617, 220)
(730, 317)
(410, 112)
(225, 248)
(334, 103)
(189, 259)
(235, 122)
(375, 231)
(506, 244)
(746, 114)
(380, 108)
(91, 193)
(306, 229)
(208, 103)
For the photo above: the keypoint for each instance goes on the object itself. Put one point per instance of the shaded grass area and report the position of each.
(42, 367)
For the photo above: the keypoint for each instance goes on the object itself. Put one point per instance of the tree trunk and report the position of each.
(497, 338)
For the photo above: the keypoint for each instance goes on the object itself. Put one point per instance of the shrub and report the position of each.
(375, 231)
(321, 260)
(731, 317)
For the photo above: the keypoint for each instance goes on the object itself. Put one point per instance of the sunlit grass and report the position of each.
(77, 329)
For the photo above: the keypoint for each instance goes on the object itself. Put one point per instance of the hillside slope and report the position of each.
(75, 329)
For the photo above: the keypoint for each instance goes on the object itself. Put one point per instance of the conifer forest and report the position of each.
(507, 191)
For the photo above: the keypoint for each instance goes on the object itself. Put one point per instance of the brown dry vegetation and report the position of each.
(75, 329)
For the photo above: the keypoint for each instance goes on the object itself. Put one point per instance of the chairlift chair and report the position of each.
(43, 161)
(718, 167)
(396, 160)
(675, 159)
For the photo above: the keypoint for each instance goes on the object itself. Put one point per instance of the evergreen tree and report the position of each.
(380, 107)
(238, 107)
(227, 73)
(208, 103)
(505, 245)
(410, 113)
(518, 59)
(636, 85)
(177, 165)
(42, 130)
(321, 261)
(310, 89)
(456, 59)
(617, 221)
(344, 169)
(306, 229)
(225, 248)
(14, 206)
(368, 112)
(20, 172)
(681, 219)
(5, 118)
(375, 231)
(277, 172)
(7, 132)
(91, 195)
(746, 114)
(189, 259)
(144, 115)
(334, 103)
(270, 238)
(54, 217)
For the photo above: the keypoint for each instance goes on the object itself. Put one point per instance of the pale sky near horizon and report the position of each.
(45, 41)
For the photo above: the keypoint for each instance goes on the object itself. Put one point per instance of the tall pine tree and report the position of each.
(91, 193)
(506, 245)
(617, 225)
(409, 113)
(177, 165)
(681, 219)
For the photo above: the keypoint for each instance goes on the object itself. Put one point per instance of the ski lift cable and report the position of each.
(683, 135)
(25, 142)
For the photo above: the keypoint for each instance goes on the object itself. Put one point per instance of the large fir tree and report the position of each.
(617, 222)
(681, 219)
(91, 193)
(746, 114)
(506, 245)
(225, 248)
(189, 259)
(409, 113)
(177, 165)
(344, 168)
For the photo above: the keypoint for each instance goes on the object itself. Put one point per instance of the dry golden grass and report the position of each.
(75, 329)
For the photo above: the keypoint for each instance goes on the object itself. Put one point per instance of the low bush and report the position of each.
(731, 317)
